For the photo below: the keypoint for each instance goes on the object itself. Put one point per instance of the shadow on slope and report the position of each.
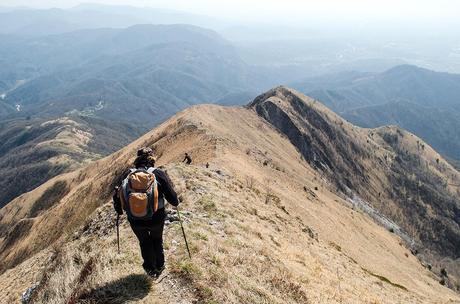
(129, 288)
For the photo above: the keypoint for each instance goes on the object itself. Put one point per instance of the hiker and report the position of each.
(187, 159)
(142, 195)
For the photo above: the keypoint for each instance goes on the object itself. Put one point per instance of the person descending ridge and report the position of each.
(142, 195)
(187, 159)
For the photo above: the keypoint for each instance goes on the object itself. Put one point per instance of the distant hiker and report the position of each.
(187, 159)
(207, 165)
(142, 195)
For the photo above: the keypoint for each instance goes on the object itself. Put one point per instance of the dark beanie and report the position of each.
(144, 158)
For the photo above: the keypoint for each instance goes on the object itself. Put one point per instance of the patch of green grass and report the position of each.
(204, 294)
(232, 242)
(194, 248)
(166, 246)
(217, 277)
(208, 204)
(186, 269)
(215, 260)
(200, 236)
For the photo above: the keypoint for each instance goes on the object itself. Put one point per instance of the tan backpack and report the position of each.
(139, 194)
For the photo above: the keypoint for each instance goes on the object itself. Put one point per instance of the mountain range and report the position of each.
(36, 22)
(350, 195)
(148, 66)
(131, 79)
(297, 206)
(419, 100)
(111, 85)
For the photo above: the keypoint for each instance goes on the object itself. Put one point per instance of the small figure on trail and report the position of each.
(142, 195)
(187, 159)
(207, 165)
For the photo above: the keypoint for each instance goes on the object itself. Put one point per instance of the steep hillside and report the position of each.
(408, 96)
(265, 221)
(34, 150)
(437, 125)
(388, 170)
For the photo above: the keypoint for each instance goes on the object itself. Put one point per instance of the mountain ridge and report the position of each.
(347, 154)
(366, 99)
(103, 78)
(259, 175)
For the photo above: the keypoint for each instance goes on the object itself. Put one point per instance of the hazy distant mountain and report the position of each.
(237, 98)
(27, 21)
(439, 126)
(5, 109)
(402, 83)
(152, 71)
(112, 84)
(424, 102)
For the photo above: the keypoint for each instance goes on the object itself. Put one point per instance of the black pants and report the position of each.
(150, 236)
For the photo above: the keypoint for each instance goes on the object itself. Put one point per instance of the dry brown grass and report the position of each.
(234, 260)
(249, 241)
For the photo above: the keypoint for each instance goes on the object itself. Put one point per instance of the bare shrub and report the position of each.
(287, 286)
(250, 182)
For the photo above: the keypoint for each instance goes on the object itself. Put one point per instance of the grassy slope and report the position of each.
(33, 151)
(387, 171)
(252, 228)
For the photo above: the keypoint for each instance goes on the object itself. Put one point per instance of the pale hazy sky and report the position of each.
(291, 10)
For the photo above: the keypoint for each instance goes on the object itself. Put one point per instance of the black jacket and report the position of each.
(165, 189)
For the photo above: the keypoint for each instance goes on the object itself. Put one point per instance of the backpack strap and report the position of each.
(151, 170)
(154, 195)
(131, 171)
(125, 182)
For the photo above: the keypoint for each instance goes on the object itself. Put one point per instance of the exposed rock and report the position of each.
(27, 295)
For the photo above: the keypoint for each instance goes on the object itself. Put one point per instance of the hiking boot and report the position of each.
(150, 272)
(158, 272)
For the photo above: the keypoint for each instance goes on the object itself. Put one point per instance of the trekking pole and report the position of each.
(118, 232)
(183, 232)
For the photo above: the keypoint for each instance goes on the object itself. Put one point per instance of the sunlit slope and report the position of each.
(264, 222)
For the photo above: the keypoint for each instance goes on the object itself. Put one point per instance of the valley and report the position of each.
(326, 154)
